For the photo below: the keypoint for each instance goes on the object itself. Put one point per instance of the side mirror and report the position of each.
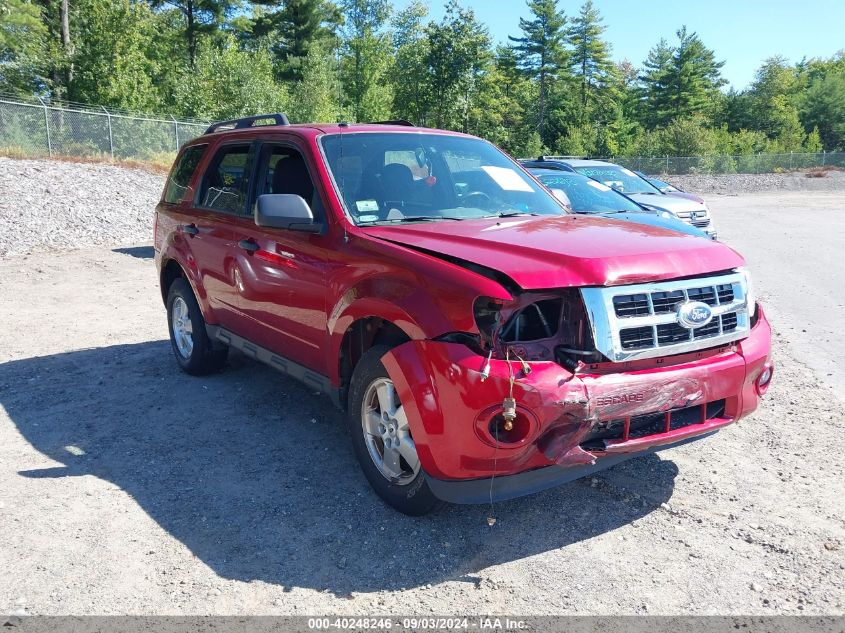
(560, 194)
(285, 211)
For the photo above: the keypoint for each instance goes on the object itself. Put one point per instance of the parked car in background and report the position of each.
(587, 196)
(482, 342)
(639, 189)
(666, 187)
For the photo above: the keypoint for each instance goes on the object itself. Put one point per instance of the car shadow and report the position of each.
(256, 476)
(140, 252)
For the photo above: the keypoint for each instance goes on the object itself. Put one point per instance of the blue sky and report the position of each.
(742, 32)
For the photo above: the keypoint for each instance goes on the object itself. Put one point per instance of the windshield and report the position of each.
(408, 177)
(619, 178)
(589, 196)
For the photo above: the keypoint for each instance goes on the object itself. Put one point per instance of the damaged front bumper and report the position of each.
(568, 425)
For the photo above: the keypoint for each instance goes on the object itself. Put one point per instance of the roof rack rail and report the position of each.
(402, 122)
(249, 121)
(550, 157)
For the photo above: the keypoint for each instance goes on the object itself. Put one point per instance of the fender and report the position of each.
(423, 305)
(175, 249)
(350, 308)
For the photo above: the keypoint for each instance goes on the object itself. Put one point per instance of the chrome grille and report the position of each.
(640, 321)
(700, 219)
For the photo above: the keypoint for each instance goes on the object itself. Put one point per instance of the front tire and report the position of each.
(195, 352)
(382, 439)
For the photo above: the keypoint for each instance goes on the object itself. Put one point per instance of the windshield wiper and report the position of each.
(511, 214)
(415, 218)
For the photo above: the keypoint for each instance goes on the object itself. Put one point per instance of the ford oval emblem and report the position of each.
(694, 314)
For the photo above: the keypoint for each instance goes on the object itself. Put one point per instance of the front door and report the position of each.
(283, 292)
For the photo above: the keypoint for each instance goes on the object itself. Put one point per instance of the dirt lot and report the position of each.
(128, 487)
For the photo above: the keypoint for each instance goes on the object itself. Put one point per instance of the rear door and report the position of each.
(283, 293)
(219, 212)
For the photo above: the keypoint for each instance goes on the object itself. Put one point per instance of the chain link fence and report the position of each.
(34, 129)
(728, 164)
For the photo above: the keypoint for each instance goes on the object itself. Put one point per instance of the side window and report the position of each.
(180, 175)
(283, 170)
(226, 182)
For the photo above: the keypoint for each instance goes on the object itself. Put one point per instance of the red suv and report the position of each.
(484, 343)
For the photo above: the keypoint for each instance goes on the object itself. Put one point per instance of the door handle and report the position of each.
(189, 229)
(248, 245)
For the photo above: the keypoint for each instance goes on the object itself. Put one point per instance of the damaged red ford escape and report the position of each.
(484, 343)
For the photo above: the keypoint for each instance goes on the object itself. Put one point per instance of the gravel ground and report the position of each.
(734, 184)
(127, 487)
(56, 204)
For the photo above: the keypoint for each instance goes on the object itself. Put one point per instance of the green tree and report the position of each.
(457, 51)
(111, 60)
(409, 75)
(316, 97)
(591, 63)
(542, 51)
(291, 28)
(681, 81)
(772, 105)
(202, 17)
(23, 45)
(824, 108)
(366, 59)
(227, 82)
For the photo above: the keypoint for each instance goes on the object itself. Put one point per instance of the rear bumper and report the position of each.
(449, 407)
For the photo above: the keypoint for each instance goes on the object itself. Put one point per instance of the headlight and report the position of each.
(750, 297)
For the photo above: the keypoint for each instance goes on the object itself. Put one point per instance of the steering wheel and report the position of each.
(485, 199)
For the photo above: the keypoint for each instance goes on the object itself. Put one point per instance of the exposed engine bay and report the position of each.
(538, 327)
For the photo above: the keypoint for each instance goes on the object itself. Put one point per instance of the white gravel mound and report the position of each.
(62, 205)
(736, 184)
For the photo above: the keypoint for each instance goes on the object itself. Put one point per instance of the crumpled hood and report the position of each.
(667, 202)
(566, 251)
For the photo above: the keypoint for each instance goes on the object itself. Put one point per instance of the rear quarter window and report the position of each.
(182, 172)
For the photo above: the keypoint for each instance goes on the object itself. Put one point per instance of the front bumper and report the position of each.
(502, 488)
(449, 407)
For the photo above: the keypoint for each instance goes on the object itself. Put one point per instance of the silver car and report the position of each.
(688, 208)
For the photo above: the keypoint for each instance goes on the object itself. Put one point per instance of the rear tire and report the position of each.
(382, 441)
(195, 352)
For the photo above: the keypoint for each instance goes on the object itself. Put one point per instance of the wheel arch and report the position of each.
(173, 268)
(170, 272)
(360, 335)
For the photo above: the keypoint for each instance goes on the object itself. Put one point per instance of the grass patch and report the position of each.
(159, 164)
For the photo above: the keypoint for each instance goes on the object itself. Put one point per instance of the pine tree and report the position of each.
(541, 49)
(591, 61)
(292, 27)
(202, 17)
(657, 69)
(681, 81)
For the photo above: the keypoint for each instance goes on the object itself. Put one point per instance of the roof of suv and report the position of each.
(258, 124)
